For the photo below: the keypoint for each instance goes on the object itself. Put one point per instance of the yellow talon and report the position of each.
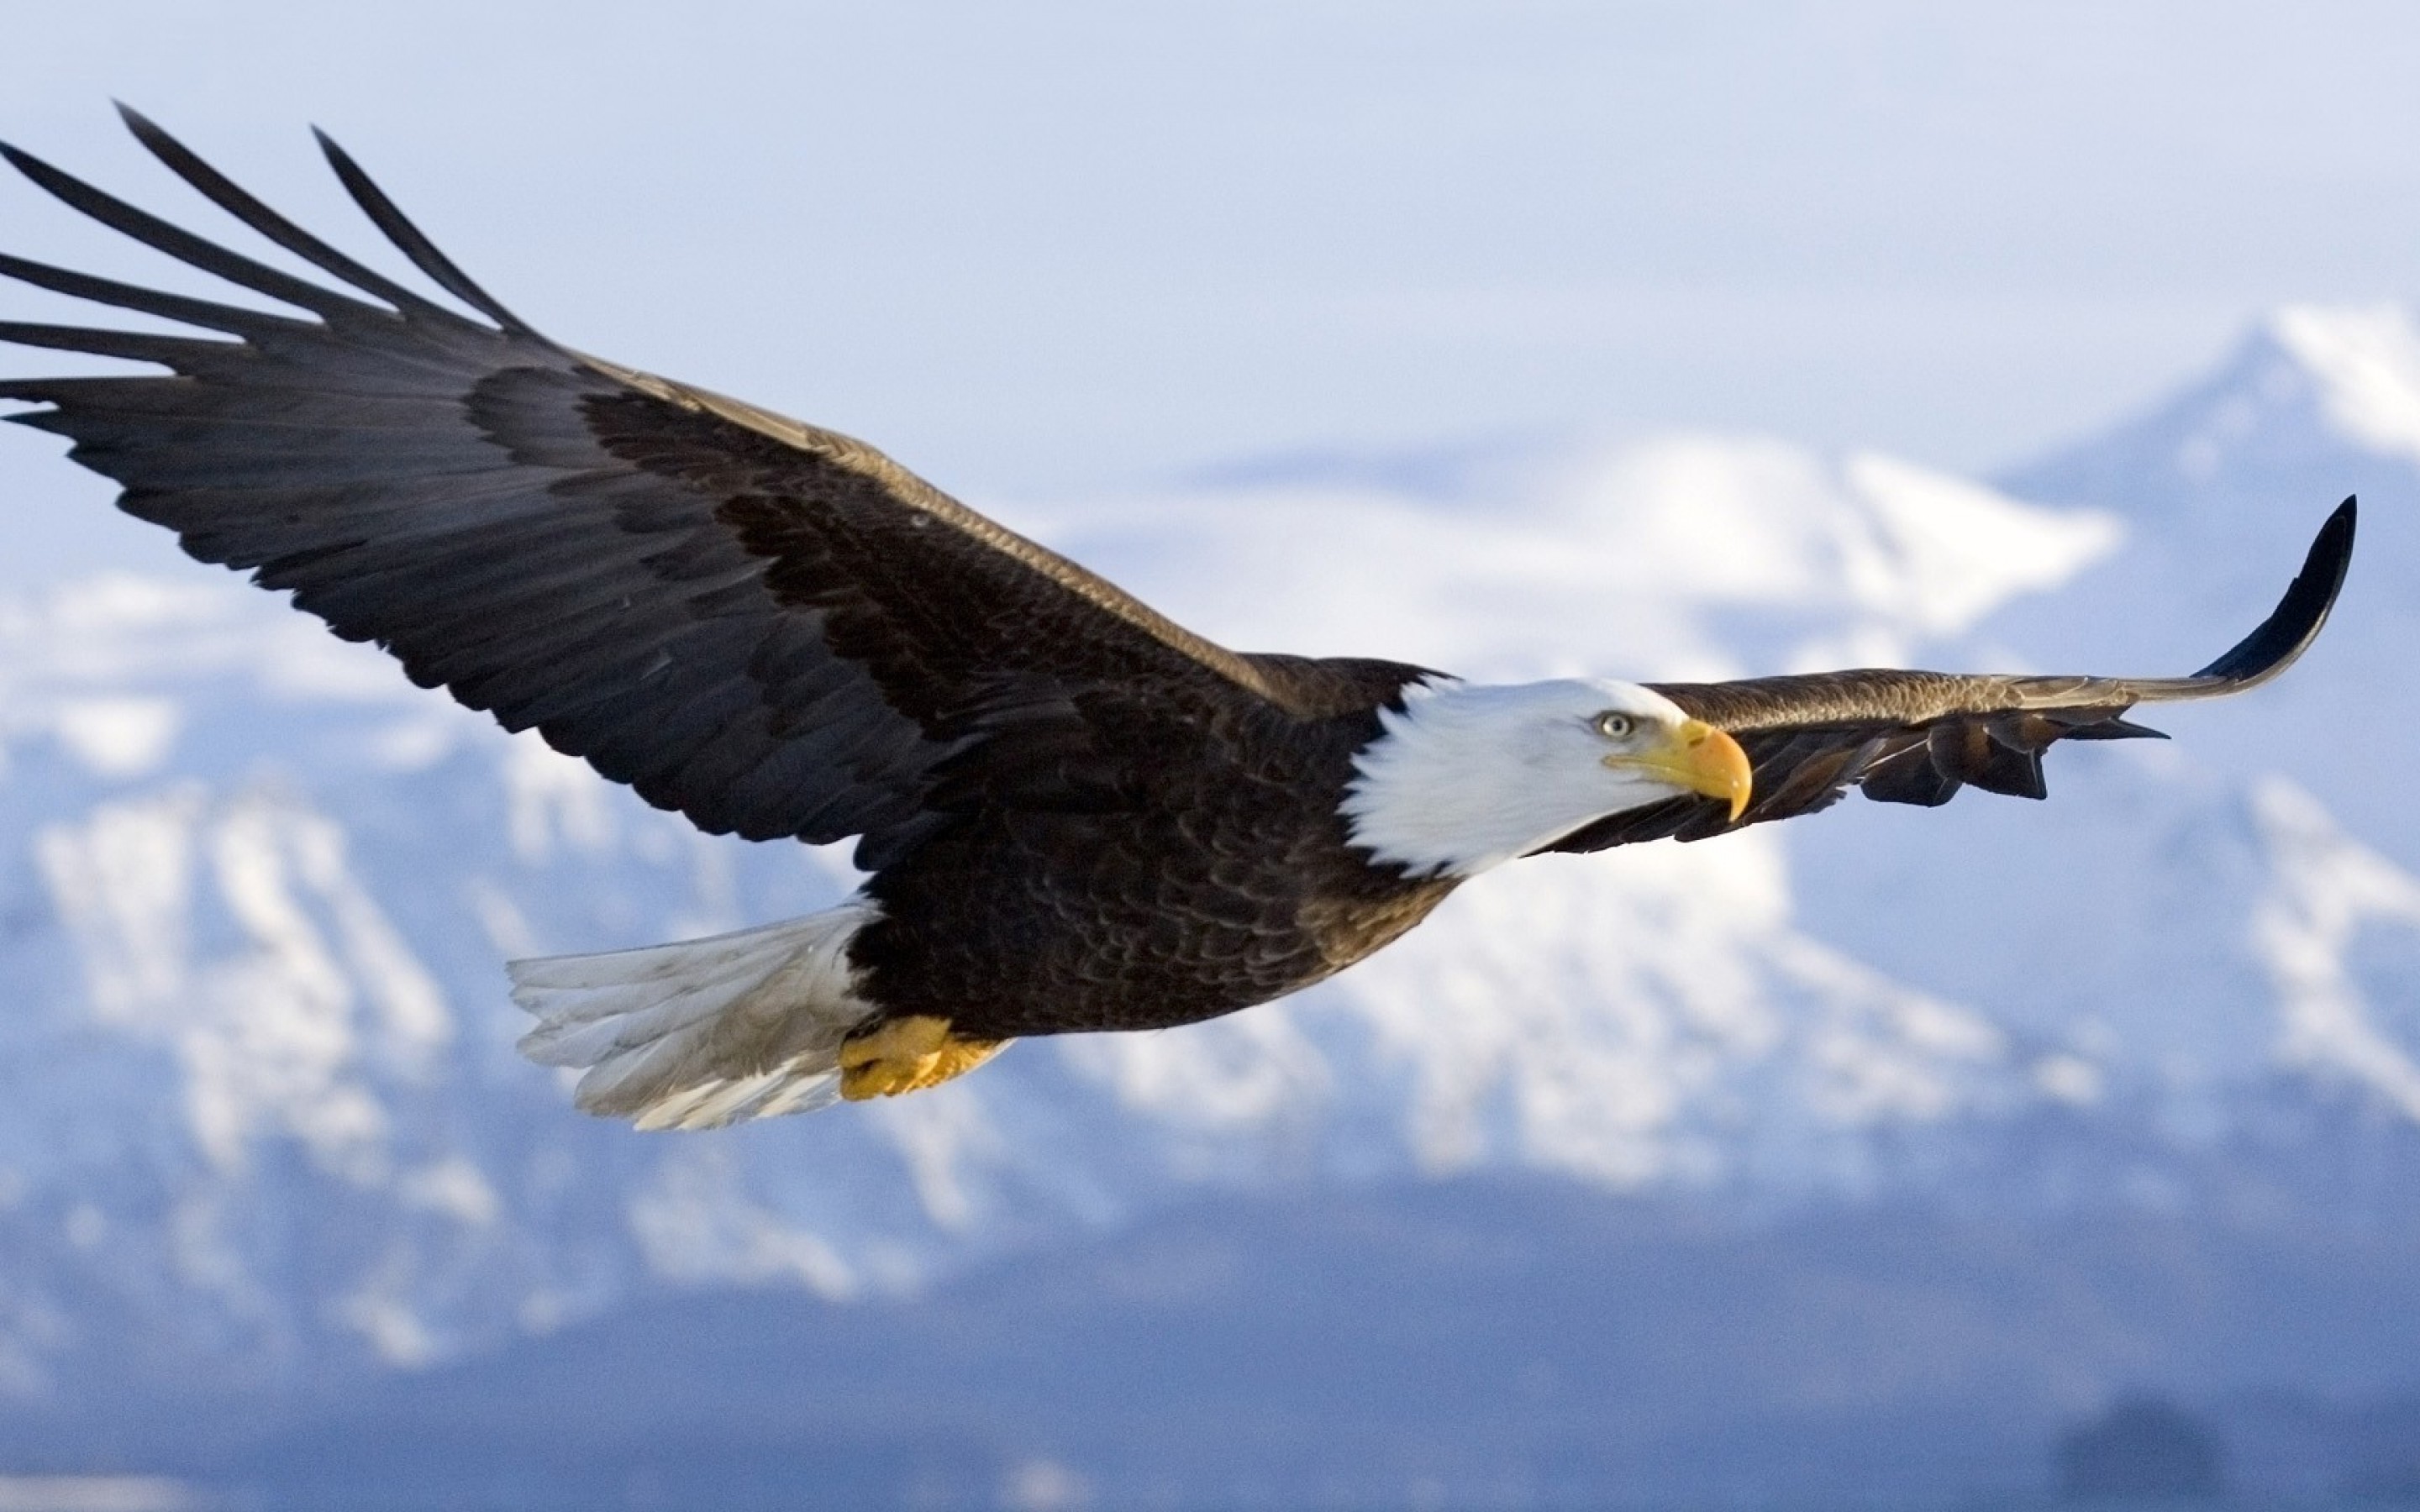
(907, 1055)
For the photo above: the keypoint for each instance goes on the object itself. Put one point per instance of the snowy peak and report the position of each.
(2313, 391)
(2334, 911)
(2222, 489)
(2309, 379)
(1678, 556)
(2361, 366)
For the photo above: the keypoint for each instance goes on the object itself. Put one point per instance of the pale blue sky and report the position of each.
(1052, 247)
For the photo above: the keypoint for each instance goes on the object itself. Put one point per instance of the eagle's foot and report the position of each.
(907, 1055)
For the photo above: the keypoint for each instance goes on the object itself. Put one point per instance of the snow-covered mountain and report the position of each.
(263, 1118)
(2239, 905)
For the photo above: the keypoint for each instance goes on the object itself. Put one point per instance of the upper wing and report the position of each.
(772, 629)
(1918, 737)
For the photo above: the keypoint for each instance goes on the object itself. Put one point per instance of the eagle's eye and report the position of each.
(1615, 726)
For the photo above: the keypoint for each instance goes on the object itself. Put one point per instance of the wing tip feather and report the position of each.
(408, 238)
(2278, 641)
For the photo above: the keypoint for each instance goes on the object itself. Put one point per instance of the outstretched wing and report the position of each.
(770, 627)
(1917, 737)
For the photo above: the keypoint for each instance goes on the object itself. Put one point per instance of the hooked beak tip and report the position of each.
(1714, 764)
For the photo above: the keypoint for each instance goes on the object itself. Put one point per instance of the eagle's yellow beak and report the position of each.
(1698, 759)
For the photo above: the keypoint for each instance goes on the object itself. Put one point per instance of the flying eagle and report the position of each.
(1075, 815)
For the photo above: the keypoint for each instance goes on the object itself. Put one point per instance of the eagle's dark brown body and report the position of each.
(1181, 890)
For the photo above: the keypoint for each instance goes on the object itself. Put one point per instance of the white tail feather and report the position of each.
(705, 1032)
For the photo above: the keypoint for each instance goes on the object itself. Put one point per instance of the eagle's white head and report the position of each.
(1467, 777)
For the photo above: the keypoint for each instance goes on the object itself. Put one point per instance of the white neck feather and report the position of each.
(1468, 777)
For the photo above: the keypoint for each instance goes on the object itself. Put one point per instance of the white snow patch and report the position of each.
(2366, 362)
(714, 884)
(455, 1188)
(1232, 1073)
(2069, 1079)
(116, 630)
(556, 802)
(696, 1223)
(1628, 559)
(416, 744)
(286, 1034)
(1948, 552)
(2325, 889)
(507, 928)
(1627, 1017)
(382, 1313)
(940, 1137)
(98, 1493)
(265, 1024)
(1044, 1486)
(123, 881)
(118, 737)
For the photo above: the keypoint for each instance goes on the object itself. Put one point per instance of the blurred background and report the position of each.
(2000, 1153)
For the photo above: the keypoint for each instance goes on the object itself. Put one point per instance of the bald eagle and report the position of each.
(1075, 814)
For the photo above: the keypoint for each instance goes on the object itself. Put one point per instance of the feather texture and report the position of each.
(703, 1033)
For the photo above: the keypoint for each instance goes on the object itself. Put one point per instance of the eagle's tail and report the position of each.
(705, 1032)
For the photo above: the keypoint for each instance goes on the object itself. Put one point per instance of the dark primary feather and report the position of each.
(224, 193)
(772, 629)
(1917, 737)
